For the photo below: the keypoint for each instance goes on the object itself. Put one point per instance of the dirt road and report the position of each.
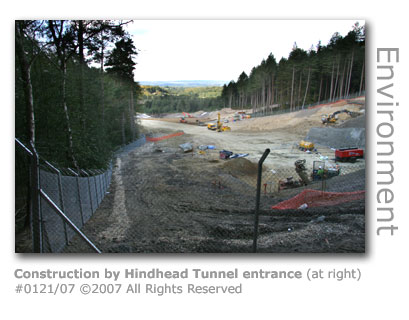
(281, 143)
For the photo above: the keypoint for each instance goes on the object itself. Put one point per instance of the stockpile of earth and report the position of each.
(240, 166)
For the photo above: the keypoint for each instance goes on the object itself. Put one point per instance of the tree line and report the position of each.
(159, 100)
(324, 73)
(75, 94)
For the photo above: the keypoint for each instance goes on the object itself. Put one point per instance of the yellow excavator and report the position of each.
(333, 117)
(219, 127)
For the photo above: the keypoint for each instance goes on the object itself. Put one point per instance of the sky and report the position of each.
(221, 49)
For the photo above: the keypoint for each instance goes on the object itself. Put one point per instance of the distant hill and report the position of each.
(185, 83)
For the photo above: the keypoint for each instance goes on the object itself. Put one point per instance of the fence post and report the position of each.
(260, 165)
(35, 207)
(96, 186)
(101, 182)
(60, 191)
(67, 220)
(79, 193)
(89, 190)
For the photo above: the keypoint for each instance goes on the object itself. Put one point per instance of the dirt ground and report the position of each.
(163, 200)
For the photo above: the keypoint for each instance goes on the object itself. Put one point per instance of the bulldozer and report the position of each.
(333, 117)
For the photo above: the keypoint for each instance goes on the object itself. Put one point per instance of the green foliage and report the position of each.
(100, 120)
(158, 100)
(120, 61)
(329, 72)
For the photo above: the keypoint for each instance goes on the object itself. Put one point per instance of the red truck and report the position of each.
(349, 154)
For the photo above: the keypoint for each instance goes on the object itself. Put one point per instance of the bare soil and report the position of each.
(163, 200)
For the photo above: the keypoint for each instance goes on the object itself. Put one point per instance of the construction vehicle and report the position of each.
(217, 125)
(290, 182)
(333, 117)
(306, 145)
(301, 171)
(320, 171)
(183, 118)
(220, 126)
(212, 126)
(348, 154)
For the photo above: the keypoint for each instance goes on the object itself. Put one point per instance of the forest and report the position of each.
(75, 94)
(157, 100)
(323, 73)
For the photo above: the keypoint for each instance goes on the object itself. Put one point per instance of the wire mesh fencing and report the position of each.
(77, 194)
(56, 202)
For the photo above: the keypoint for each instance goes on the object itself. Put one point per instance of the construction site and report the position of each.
(192, 188)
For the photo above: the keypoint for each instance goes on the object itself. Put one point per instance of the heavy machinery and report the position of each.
(218, 126)
(183, 118)
(333, 117)
(301, 171)
(290, 182)
(306, 145)
(348, 154)
(320, 171)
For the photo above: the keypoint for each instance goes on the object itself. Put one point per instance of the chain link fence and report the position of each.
(66, 200)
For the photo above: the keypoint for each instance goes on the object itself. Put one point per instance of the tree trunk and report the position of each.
(299, 90)
(306, 87)
(336, 82)
(25, 67)
(81, 76)
(272, 90)
(67, 116)
(332, 81)
(341, 89)
(319, 93)
(350, 72)
(362, 77)
(292, 90)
